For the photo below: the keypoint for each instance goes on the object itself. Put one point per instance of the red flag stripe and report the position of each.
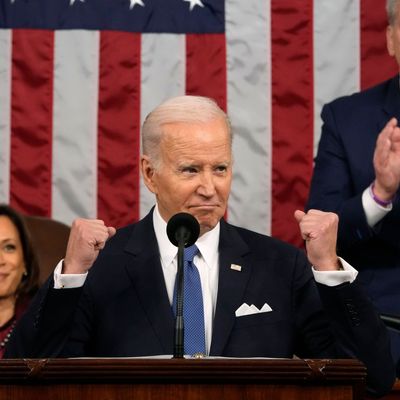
(373, 53)
(31, 138)
(206, 66)
(119, 130)
(292, 112)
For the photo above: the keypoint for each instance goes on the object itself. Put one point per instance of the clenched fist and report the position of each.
(319, 230)
(87, 238)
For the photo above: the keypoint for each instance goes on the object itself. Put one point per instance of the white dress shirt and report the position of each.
(373, 211)
(206, 262)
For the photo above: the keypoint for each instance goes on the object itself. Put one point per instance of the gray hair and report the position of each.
(188, 109)
(391, 8)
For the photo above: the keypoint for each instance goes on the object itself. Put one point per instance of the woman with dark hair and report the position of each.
(19, 272)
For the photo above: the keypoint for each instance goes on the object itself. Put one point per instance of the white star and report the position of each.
(194, 3)
(134, 2)
(71, 2)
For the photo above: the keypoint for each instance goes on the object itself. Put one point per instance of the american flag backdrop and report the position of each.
(77, 78)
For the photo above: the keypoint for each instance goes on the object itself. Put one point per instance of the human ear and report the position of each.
(148, 173)
(389, 40)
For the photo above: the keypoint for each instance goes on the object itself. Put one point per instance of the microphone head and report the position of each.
(183, 227)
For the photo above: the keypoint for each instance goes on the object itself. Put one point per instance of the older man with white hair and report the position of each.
(245, 294)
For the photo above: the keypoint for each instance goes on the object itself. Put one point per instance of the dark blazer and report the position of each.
(123, 308)
(343, 169)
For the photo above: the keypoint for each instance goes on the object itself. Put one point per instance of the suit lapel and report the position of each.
(231, 285)
(148, 280)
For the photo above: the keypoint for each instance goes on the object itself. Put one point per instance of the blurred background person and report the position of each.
(357, 176)
(19, 272)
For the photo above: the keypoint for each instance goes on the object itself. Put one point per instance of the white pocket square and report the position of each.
(245, 309)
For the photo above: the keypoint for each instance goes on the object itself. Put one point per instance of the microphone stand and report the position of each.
(182, 230)
(179, 324)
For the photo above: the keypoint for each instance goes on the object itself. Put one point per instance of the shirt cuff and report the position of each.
(373, 211)
(335, 278)
(67, 281)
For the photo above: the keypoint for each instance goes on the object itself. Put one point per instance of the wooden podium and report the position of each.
(170, 379)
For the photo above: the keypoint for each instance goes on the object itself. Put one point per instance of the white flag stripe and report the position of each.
(249, 107)
(5, 113)
(74, 189)
(162, 76)
(336, 53)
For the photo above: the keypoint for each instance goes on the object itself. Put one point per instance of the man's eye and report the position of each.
(221, 168)
(189, 170)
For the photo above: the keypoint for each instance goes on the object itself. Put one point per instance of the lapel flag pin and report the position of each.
(236, 267)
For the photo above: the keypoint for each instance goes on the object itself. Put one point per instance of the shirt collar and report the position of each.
(207, 243)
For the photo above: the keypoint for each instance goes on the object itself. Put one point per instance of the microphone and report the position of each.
(391, 321)
(183, 231)
(183, 227)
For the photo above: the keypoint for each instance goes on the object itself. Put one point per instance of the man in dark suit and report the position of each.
(357, 175)
(260, 298)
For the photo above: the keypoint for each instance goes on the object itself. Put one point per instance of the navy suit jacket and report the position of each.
(123, 309)
(343, 169)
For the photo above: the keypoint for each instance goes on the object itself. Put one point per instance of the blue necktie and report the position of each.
(193, 312)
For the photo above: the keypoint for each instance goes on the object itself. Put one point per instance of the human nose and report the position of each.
(207, 185)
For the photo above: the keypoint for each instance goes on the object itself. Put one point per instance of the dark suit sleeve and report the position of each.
(332, 186)
(360, 332)
(340, 322)
(343, 170)
(44, 329)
